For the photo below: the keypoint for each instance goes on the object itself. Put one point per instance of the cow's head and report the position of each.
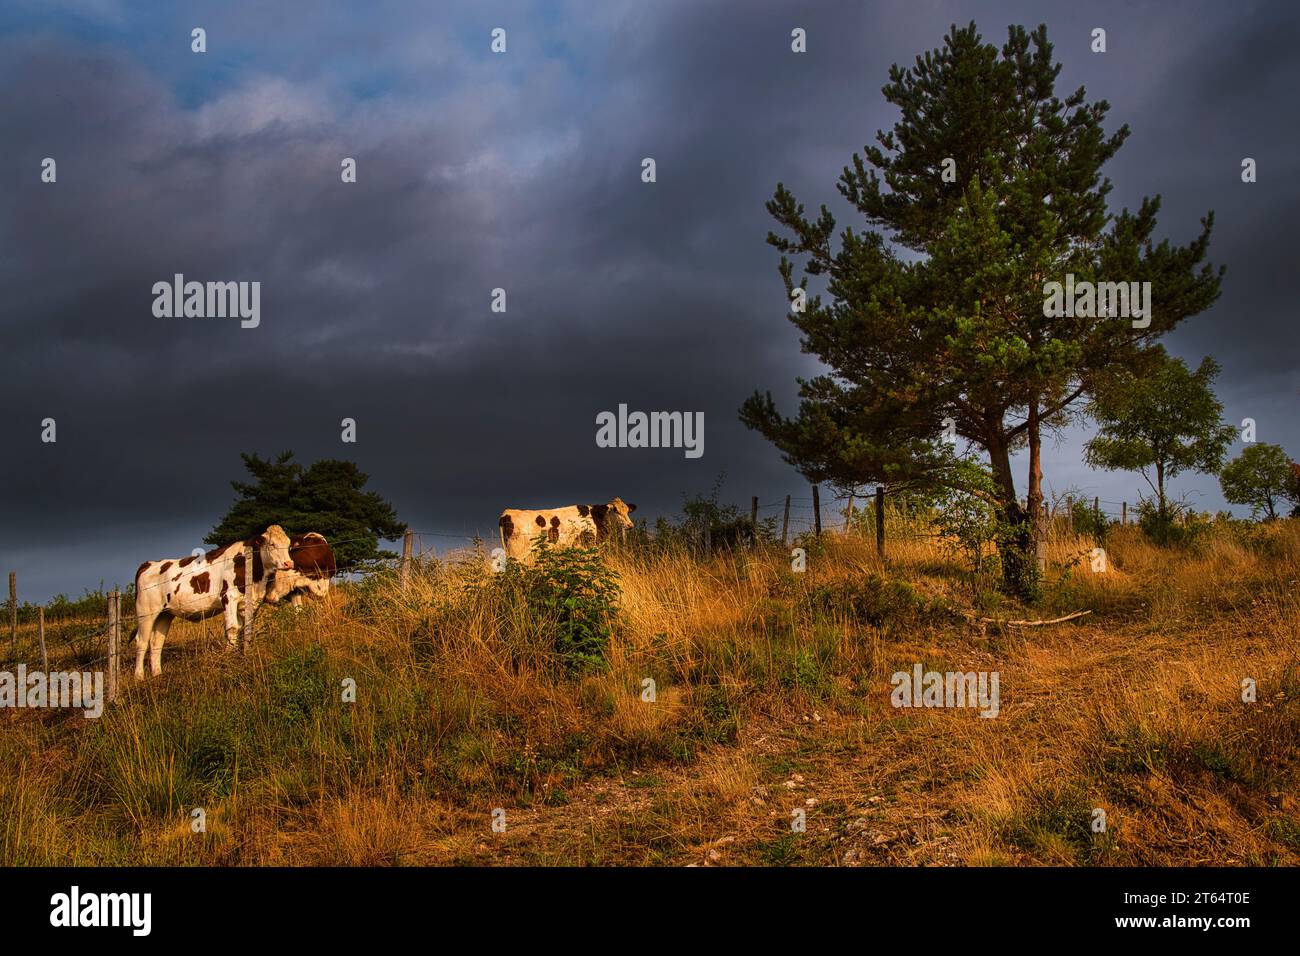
(618, 514)
(274, 544)
(313, 564)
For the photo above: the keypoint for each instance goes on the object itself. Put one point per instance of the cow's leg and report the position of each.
(296, 599)
(159, 635)
(143, 631)
(233, 601)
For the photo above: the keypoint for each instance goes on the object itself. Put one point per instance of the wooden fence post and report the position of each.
(785, 522)
(13, 612)
(848, 515)
(817, 511)
(880, 522)
(249, 603)
(1123, 512)
(40, 636)
(405, 573)
(753, 514)
(114, 633)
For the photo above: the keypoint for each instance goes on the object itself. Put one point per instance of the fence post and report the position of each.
(753, 515)
(880, 522)
(114, 630)
(817, 511)
(848, 515)
(405, 572)
(13, 612)
(785, 522)
(1123, 513)
(248, 598)
(40, 636)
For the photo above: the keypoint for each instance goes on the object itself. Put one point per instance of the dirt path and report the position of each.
(889, 788)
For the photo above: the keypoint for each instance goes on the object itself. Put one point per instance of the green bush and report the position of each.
(1090, 522)
(1175, 527)
(875, 600)
(576, 593)
(971, 528)
(707, 527)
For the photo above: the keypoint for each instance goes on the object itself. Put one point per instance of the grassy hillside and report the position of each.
(772, 693)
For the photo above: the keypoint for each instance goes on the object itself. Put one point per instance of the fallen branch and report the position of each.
(1055, 620)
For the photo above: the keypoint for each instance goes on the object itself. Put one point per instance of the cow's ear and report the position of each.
(631, 508)
(258, 541)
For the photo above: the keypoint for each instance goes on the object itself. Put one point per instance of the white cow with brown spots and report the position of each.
(194, 588)
(565, 527)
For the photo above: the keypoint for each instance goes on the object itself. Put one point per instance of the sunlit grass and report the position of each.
(759, 672)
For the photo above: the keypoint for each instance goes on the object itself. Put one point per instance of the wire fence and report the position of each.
(72, 639)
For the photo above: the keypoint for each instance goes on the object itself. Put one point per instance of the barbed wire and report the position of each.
(800, 507)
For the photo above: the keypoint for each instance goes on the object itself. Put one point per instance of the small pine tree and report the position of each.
(326, 497)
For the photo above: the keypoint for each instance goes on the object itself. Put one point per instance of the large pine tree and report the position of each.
(987, 188)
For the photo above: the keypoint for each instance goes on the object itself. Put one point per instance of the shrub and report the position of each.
(1176, 527)
(576, 593)
(970, 527)
(874, 600)
(1090, 522)
(709, 527)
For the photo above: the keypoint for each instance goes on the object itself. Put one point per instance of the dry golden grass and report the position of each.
(772, 694)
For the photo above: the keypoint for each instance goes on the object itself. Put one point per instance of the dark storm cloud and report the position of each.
(520, 172)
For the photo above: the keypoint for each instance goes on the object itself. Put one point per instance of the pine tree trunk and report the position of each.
(1034, 502)
(1016, 546)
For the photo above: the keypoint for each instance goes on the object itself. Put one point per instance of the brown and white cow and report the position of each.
(568, 526)
(194, 588)
(313, 567)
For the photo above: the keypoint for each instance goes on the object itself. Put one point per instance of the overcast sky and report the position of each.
(522, 171)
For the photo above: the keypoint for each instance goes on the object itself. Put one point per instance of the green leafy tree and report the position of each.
(327, 497)
(987, 189)
(1163, 422)
(1260, 477)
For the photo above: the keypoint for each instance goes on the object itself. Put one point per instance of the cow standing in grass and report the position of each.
(195, 588)
(566, 527)
(313, 567)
